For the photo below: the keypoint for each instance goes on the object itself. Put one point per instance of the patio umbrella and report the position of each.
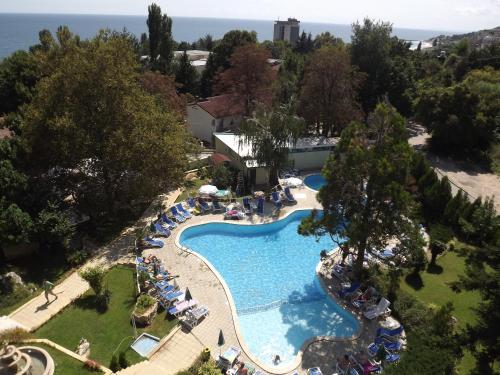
(221, 341)
(208, 189)
(188, 295)
(293, 182)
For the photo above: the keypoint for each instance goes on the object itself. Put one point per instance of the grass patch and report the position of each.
(106, 331)
(432, 288)
(64, 364)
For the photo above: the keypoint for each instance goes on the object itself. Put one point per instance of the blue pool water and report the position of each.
(270, 270)
(144, 344)
(315, 181)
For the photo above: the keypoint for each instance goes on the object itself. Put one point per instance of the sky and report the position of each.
(453, 15)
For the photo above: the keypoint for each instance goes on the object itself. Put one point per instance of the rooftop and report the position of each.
(222, 106)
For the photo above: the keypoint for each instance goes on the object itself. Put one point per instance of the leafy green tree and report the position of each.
(290, 74)
(164, 88)
(270, 133)
(154, 23)
(435, 198)
(186, 75)
(93, 117)
(327, 40)
(19, 74)
(205, 43)
(278, 48)
(53, 228)
(219, 59)
(482, 274)
(365, 197)
(15, 224)
(328, 99)
(305, 44)
(222, 177)
(166, 46)
(95, 277)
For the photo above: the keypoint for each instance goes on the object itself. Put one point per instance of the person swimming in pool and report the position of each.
(277, 359)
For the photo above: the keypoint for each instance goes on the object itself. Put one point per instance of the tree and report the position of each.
(165, 90)
(290, 74)
(205, 43)
(219, 59)
(365, 199)
(19, 74)
(270, 134)
(92, 118)
(305, 43)
(482, 273)
(154, 23)
(166, 46)
(222, 177)
(186, 75)
(53, 228)
(327, 40)
(95, 277)
(328, 98)
(370, 51)
(249, 77)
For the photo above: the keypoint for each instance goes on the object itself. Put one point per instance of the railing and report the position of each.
(278, 303)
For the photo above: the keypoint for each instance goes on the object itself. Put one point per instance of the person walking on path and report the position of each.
(47, 287)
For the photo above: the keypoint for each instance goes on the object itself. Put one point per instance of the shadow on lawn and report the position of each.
(435, 269)
(415, 281)
(91, 302)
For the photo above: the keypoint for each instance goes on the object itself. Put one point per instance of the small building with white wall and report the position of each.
(309, 153)
(216, 114)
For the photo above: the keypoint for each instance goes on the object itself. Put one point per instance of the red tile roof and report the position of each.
(223, 106)
(218, 158)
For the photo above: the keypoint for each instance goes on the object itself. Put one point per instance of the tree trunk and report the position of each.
(358, 265)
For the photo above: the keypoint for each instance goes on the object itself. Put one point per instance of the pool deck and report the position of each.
(209, 289)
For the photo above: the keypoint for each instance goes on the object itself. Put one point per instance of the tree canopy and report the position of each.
(364, 199)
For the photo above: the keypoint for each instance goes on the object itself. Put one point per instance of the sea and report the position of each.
(20, 31)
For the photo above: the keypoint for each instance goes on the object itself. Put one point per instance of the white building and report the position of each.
(197, 58)
(214, 115)
(287, 30)
(308, 153)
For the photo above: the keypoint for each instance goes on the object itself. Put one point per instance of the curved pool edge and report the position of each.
(234, 315)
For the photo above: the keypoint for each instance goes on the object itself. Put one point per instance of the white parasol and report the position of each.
(293, 182)
(208, 189)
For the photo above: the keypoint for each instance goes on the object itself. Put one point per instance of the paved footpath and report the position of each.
(36, 312)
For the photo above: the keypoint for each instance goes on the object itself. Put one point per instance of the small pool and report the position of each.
(315, 181)
(271, 272)
(145, 344)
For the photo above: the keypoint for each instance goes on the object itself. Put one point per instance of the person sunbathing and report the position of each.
(344, 362)
(241, 369)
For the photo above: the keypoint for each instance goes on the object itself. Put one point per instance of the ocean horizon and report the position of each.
(20, 31)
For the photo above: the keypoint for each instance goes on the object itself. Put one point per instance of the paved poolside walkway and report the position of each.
(36, 312)
(204, 285)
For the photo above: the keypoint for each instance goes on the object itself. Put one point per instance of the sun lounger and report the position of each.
(160, 230)
(194, 316)
(289, 196)
(204, 205)
(168, 221)
(314, 371)
(341, 272)
(276, 200)
(183, 211)
(181, 307)
(390, 333)
(346, 292)
(164, 287)
(369, 367)
(217, 207)
(234, 215)
(247, 206)
(260, 206)
(151, 242)
(381, 309)
(177, 216)
(229, 357)
(192, 206)
(390, 346)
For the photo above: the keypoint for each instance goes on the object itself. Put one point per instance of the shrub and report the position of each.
(92, 365)
(122, 360)
(12, 293)
(222, 176)
(78, 257)
(102, 300)
(14, 335)
(95, 277)
(114, 365)
(440, 235)
(209, 368)
(143, 303)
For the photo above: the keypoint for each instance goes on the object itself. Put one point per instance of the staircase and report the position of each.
(240, 184)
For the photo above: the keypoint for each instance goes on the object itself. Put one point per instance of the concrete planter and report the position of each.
(146, 318)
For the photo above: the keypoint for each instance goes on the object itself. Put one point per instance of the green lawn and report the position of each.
(64, 364)
(432, 288)
(104, 330)
(190, 189)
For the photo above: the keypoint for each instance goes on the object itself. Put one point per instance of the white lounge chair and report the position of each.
(381, 309)
(194, 316)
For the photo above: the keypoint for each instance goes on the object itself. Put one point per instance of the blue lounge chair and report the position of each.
(289, 196)
(348, 291)
(390, 333)
(260, 206)
(183, 211)
(247, 206)
(151, 242)
(177, 216)
(204, 205)
(164, 287)
(276, 200)
(389, 346)
(168, 221)
(392, 357)
(172, 296)
(217, 206)
(160, 230)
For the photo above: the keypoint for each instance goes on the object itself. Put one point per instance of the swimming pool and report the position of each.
(315, 181)
(271, 272)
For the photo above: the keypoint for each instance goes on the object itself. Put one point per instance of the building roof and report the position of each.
(222, 106)
(218, 158)
(193, 54)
